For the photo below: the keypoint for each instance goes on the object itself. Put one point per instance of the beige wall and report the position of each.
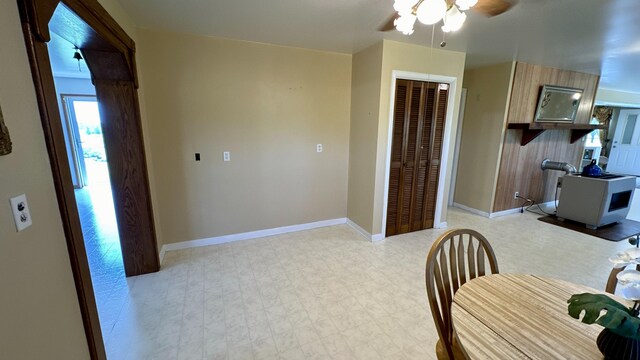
(123, 19)
(417, 59)
(39, 312)
(269, 106)
(365, 104)
(488, 90)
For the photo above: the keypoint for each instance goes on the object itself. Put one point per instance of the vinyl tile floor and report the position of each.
(102, 244)
(326, 293)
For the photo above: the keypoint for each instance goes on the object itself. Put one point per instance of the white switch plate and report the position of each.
(319, 148)
(226, 156)
(21, 214)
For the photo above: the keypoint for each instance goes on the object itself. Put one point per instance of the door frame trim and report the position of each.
(35, 16)
(446, 144)
(618, 133)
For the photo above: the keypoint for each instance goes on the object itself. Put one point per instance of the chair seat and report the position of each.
(441, 351)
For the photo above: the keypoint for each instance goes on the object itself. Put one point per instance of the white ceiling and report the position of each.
(595, 36)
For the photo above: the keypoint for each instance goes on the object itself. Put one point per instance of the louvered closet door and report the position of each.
(418, 124)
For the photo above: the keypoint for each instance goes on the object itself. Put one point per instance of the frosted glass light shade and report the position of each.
(431, 11)
(405, 23)
(453, 20)
(404, 6)
(466, 4)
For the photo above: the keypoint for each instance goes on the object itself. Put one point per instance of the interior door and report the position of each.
(418, 125)
(625, 151)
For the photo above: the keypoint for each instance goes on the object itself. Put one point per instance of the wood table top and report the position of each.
(515, 316)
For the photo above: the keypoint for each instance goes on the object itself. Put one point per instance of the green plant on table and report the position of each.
(603, 310)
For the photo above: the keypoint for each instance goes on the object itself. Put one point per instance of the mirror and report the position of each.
(558, 104)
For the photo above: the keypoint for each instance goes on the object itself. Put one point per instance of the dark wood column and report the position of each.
(118, 104)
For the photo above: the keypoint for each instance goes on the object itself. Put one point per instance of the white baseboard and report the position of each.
(249, 235)
(442, 225)
(471, 210)
(504, 213)
(163, 250)
(517, 210)
(363, 232)
(496, 214)
(377, 237)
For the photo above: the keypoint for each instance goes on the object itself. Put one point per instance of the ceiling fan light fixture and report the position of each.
(431, 11)
(454, 19)
(466, 4)
(405, 23)
(404, 6)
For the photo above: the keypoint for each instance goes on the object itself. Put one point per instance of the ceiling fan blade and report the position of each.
(491, 8)
(388, 25)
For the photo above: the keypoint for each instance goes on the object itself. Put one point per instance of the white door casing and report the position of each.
(441, 202)
(625, 151)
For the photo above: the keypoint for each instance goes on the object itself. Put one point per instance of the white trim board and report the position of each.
(471, 210)
(456, 147)
(248, 235)
(495, 214)
(446, 143)
(365, 233)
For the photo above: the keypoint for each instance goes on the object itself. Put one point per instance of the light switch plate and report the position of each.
(21, 214)
(226, 156)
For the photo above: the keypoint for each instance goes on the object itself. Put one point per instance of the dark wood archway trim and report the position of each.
(110, 55)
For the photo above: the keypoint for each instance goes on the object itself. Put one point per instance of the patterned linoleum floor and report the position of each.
(326, 293)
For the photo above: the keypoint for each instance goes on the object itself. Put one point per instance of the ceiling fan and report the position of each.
(430, 12)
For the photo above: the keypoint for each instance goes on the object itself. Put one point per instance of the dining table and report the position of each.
(520, 316)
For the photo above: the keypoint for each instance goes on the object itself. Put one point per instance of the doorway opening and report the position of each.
(94, 200)
(109, 54)
(625, 151)
(88, 164)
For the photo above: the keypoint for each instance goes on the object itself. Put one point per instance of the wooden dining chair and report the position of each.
(612, 282)
(456, 257)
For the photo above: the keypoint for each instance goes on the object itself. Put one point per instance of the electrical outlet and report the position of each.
(21, 214)
(319, 148)
(516, 195)
(226, 156)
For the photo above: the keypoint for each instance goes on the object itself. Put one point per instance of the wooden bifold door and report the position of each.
(416, 149)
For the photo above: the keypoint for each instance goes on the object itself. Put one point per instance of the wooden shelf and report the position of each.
(531, 131)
